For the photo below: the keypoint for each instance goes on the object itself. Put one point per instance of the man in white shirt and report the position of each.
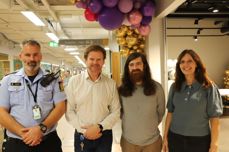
(93, 104)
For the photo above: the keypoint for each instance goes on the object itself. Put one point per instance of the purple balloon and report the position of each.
(110, 3)
(148, 9)
(137, 5)
(110, 18)
(95, 6)
(146, 20)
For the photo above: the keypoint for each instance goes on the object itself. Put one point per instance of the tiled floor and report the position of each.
(66, 133)
(224, 134)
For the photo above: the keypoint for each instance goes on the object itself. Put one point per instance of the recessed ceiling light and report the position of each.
(195, 38)
(215, 10)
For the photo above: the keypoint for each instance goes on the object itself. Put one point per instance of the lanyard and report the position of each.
(34, 95)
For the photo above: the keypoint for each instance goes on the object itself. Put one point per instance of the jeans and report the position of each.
(103, 144)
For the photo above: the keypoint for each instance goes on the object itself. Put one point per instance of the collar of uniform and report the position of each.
(195, 85)
(87, 77)
(21, 72)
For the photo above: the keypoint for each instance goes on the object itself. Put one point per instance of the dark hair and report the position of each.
(127, 88)
(200, 71)
(95, 48)
(30, 42)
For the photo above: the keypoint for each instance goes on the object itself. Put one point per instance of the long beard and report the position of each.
(136, 76)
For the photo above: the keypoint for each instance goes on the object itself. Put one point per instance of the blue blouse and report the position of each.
(192, 107)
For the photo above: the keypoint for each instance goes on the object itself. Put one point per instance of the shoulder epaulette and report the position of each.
(11, 73)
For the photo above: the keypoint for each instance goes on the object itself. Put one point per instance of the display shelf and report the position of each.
(225, 96)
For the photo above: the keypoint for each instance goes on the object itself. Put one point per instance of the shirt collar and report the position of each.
(21, 72)
(87, 77)
(195, 85)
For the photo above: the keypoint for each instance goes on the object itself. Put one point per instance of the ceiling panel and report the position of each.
(59, 16)
(196, 18)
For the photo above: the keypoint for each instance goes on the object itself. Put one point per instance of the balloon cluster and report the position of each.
(111, 14)
(129, 40)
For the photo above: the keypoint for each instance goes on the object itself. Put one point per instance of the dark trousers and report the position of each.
(180, 143)
(103, 144)
(50, 143)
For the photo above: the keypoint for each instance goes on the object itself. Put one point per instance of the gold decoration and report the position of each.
(129, 40)
(73, 1)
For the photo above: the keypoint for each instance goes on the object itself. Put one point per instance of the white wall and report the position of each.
(214, 52)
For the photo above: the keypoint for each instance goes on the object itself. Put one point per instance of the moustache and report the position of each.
(135, 71)
(32, 63)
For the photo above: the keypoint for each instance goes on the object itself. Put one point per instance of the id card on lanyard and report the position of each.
(36, 108)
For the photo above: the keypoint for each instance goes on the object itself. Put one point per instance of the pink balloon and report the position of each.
(144, 30)
(135, 17)
(136, 26)
(125, 6)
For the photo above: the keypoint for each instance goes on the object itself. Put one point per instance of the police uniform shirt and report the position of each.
(16, 96)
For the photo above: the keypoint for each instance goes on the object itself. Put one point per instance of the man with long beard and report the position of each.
(143, 107)
(29, 110)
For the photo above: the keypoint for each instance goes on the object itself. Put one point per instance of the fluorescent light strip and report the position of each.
(70, 49)
(80, 61)
(74, 53)
(53, 37)
(33, 18)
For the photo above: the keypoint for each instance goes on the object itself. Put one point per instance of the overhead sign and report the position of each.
(53, 44)
(81, 41)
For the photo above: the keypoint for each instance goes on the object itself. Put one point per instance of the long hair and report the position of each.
(200, 71)
(128, 87)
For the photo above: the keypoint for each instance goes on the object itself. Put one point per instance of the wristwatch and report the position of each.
(101, 128)
(43, 127)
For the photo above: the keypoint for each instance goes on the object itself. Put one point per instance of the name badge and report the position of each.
(15, 83)
(36, 112)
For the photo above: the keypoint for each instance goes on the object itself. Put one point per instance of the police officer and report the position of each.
(28, 110)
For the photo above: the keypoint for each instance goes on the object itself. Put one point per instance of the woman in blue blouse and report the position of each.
(194, 106)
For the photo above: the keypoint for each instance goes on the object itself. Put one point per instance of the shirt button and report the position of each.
(185, 99)
(188, 93)
(190, 87)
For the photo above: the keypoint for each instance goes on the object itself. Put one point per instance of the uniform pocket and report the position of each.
(44, 99)
(44, 94)
(17, 94)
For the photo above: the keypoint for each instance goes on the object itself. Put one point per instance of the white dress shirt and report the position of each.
(91, 102)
